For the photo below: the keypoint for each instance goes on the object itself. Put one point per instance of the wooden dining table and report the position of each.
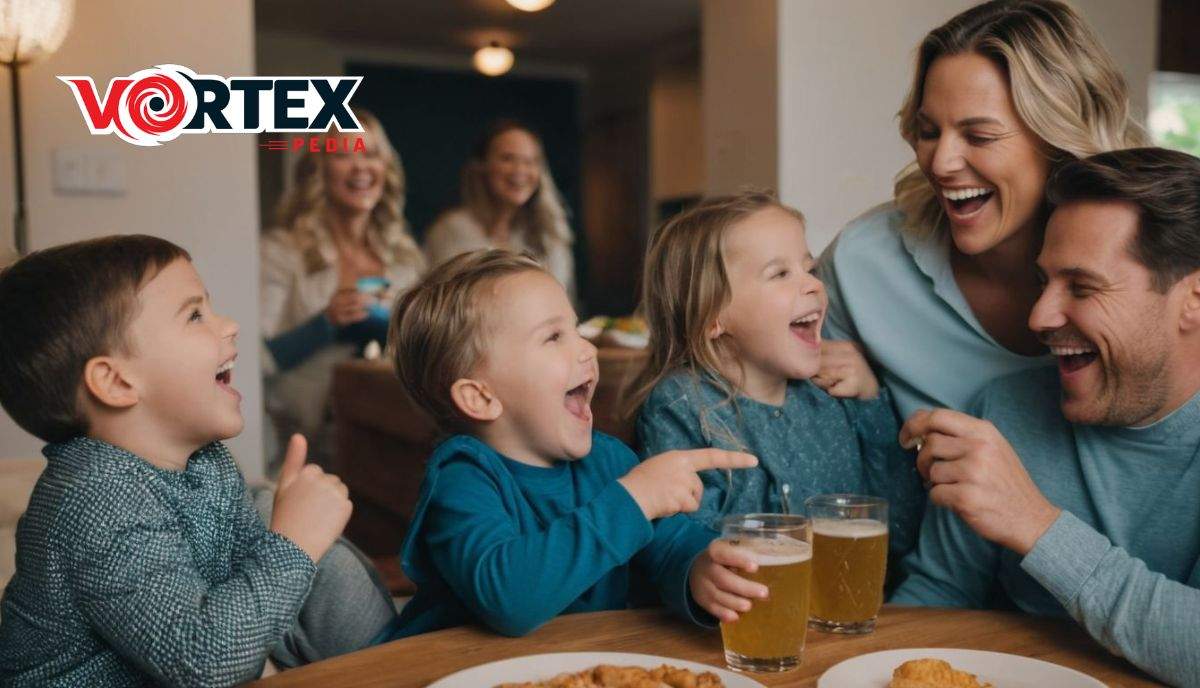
(420, 660)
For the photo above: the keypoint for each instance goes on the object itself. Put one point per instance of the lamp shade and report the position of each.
(493, 59)
(32, 29)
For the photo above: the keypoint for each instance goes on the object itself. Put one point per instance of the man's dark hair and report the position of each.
(60, 307)
(1163, 184)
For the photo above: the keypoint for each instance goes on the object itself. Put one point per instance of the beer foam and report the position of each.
(849, 528)
(778, 551)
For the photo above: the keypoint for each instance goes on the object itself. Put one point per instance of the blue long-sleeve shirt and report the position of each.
(512, 546)
(131, 575)
(1123, 558)
(290, 349)
(814, 443)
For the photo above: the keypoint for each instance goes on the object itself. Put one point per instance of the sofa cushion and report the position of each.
(17, 478)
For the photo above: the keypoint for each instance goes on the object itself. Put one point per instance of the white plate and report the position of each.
(542, 667)
(997, 668)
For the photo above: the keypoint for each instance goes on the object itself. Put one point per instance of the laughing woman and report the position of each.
(509, 200)
(330, 273)
(937, 286)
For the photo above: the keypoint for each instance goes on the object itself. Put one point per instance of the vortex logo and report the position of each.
(156, 105)
(153, 106)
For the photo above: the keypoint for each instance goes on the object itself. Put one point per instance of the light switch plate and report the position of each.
(88, 171)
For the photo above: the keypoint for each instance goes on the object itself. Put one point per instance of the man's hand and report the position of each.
(311, 506)
(845, 372)
(975, 472)
(667, 484)
(717, 589)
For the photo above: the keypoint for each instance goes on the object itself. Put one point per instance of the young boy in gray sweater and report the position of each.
(141, 559)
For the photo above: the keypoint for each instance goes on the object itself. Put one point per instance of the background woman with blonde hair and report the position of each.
(330, 272)
(509, 200)
(937, 286)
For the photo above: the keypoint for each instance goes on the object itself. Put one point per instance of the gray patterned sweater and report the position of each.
(131, 575)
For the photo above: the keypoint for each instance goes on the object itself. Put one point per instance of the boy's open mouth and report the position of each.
(967, 201)
(1075, 357)
(578, 401)
(225, 374)
(807, 327)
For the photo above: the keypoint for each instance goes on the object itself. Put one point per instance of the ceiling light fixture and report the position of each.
(493, 59)
(531, 5)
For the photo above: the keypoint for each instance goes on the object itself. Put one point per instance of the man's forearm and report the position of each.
(1152, 621)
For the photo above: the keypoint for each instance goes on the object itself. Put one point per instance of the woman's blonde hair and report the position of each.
(302, 209)
(1063, 83)
(543, 215)
(684, 289)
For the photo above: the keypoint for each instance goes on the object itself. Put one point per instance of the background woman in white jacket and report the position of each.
(509, 200)
(330, 273)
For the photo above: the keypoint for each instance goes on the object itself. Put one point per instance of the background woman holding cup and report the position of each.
(330, 273)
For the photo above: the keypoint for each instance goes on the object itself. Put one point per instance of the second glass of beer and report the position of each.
(770, 637)
(850, 544)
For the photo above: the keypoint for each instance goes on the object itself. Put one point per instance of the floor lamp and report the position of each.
(29, 31)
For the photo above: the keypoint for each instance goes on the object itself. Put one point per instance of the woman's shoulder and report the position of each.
(279, 242)
(878, 229)
(280, 253)
(278, 236)
(455, 221)
(874, 251)
(455, 231)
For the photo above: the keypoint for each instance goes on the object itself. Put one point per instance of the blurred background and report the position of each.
(642, 106)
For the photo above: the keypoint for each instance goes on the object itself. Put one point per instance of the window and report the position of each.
(1175, 111)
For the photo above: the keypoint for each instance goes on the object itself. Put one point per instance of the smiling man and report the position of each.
(1077, 490)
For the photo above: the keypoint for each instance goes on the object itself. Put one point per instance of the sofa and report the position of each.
(17, 478)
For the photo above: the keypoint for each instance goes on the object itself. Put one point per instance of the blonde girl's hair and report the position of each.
(684, 289)
(302, 209)
(1063, 83)
(544, 215)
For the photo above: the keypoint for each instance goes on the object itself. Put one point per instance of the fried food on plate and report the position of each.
(932, 673)
(608, 676)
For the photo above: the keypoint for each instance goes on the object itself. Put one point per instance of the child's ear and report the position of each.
(104, 381)
(715, 330)
(1189, 320)
(475, 399)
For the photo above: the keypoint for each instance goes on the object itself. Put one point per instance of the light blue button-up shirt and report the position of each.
(897, 296)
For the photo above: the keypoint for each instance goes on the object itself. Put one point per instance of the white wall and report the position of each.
(199, 191)
(1129, 30)
(842, 70)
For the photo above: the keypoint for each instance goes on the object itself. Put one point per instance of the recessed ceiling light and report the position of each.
(493, 59)
(531, 5)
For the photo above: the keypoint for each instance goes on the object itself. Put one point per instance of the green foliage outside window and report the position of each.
(1174, 120)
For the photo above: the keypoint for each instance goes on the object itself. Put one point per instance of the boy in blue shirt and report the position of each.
(526, 513)
(141, 560)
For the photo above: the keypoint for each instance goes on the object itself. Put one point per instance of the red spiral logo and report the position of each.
(156, 104)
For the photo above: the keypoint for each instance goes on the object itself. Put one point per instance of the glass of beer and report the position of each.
(770, 637)
(850, 544)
